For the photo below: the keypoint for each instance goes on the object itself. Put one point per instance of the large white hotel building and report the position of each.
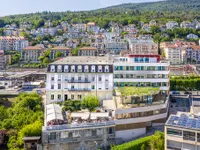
(75, 77)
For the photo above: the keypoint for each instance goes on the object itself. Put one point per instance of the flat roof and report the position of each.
(84, 60)
(184, 120)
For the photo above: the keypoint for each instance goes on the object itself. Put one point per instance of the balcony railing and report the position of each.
(79, 81)
(84, 89)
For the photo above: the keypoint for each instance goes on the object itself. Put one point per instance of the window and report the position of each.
(59, 68)
(52, 97)
(66, 68)
(52, 86)
(99, 68)
(79, 78)
(59, 77)
(93, 78)
(100, 79)
(106, 68)
(59, 96)
(59, 86)
(52, 136)
(72, 96)
(72, 68)
(86, 69)
(93, 87)
(79, 97)
(174, 132)
(93, 69)
(52, 78)
(52, 68)
(79, 68)
(189, 135)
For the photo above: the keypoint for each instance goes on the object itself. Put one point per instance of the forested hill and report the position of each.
(162, 6)
(163, 11)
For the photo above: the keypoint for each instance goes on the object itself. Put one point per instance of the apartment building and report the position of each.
(115, 45)
(78, 131)
(192, 54)
(136, 111)
(4, 60)
(64, 50)
(99, 41)
(91, 27)
(75, 77)
(32, 53)
(174, 54)
(87, 51)
(143, 46)
(182, 131)
(12, 43)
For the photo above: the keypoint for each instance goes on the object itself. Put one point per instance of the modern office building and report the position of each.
(141, 94)
(76, 131)
(182, 132)
(76, 77)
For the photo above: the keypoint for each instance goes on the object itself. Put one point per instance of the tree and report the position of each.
(157, 141)
(90, 102)
(75, 51)
(72, 105)
(59, 54)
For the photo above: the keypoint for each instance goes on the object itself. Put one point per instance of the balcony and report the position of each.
(79, 90)
(79, 81)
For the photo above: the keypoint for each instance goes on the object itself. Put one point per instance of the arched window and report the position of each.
(66, 68)
(52, 68)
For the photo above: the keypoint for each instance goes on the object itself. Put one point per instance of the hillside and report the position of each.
(163, 11)
(162, 6)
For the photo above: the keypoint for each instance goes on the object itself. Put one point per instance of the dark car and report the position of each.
(188, 93)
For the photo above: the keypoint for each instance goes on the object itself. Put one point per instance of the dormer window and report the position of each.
(52, 68)
(106, 68)
(79, 68)
(72, 68)
(93, 69)
(59, 68)
(86, 69)
(66, 68)
(100, 69)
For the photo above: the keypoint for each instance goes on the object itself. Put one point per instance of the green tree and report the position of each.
(157, 141)
(72, 105)
(75, 51)
(90, 102)
(59, 54)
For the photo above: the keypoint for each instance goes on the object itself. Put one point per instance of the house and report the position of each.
(72, 43)
(152, 23)
(4, 60)
(192, 54)
(146, 28)
(171, 25)
(87, 51)
(99, 43)
(187, 24)
(74, 77)
(32, 53)
(92, 27)
(65, 51)
(192, 36)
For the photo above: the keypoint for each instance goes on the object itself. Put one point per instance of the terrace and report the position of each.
(132, 97)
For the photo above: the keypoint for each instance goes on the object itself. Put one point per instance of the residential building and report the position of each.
(171, 25)
(4, 60)
(32, 53)
(75, 77)
(192, 36)
(115, 45)
(152, 23)
(12, 43)
(146, 28)
(87, 51)
(72, 43)
(187, 24)
(80, 27)
(92, 27)
(192, 54)
(174, 54)
(99, 43)
(135, 113)
(182, 131)
(77, 131)
(64, 50)
(131, 28)
(143, 46)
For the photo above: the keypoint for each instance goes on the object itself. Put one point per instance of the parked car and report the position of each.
(189, 93)
(175, 93)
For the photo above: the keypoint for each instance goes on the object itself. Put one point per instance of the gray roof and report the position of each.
(84, 60)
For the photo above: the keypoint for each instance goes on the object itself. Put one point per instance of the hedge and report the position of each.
(134, 145)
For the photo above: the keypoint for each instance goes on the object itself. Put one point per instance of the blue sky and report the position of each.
(9, 7)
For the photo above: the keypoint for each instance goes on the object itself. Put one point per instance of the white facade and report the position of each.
(174, 54)
(171, 24)
(76, 77)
